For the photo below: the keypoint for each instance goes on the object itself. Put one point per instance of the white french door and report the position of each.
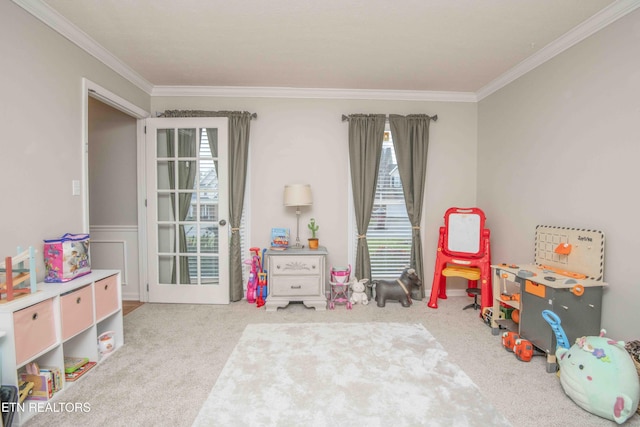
(187, 210)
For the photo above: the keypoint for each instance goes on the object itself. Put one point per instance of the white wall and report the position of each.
(40, 116)
(113, 199)
(560, 146)
(305, 141)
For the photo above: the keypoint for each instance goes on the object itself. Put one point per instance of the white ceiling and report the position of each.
(384, 45)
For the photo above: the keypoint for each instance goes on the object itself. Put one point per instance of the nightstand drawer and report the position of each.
(295, 265)
(294, 286)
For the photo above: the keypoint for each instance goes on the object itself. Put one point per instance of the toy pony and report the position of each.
(399, 289)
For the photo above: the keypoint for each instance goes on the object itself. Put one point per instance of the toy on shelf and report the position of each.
(13, 273)
(597, 373)
(339, 288)
(313, 240)
(26, 389)
(257, 282)
(279, 238)
(106, 342)
(66, 258)
(487, 315)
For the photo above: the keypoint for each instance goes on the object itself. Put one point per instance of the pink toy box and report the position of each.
(66, 258)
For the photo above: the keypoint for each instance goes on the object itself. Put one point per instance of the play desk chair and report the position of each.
(463, 251)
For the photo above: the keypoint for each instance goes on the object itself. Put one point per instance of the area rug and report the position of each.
(343, 374)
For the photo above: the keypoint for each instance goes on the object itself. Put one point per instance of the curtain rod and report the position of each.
(197, 113)
(345, 118)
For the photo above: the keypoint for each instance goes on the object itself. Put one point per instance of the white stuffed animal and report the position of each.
(357, 292)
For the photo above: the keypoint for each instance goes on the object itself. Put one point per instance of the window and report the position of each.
(389, 232)
(202, 231)
(206, 204)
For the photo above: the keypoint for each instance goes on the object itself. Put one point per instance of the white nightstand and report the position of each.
(297, 275)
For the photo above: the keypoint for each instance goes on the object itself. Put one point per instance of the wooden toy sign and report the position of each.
(571, 250)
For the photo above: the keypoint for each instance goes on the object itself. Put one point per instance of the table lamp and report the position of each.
(297, 195)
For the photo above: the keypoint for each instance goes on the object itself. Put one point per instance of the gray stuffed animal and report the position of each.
(399, 289)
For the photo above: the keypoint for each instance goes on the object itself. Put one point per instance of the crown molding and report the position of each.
(319, 93)
(592, 25)
(59, 23)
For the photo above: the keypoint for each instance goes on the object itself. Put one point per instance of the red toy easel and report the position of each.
(463, 251)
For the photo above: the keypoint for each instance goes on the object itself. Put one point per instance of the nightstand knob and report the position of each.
(278, 266)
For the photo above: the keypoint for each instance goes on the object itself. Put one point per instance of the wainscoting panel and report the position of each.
(116, 247)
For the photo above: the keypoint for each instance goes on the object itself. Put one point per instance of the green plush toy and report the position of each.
(599, 375)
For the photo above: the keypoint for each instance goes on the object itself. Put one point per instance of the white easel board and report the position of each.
(587, 250)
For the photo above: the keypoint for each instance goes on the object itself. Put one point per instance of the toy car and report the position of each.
(509, 340)
(523, 350)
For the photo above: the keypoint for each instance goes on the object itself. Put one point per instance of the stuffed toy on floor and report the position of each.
(599, 375)
(358, 295)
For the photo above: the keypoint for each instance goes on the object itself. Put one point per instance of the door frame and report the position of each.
(94, 90)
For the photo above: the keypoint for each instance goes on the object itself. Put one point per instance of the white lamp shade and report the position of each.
(297, 195)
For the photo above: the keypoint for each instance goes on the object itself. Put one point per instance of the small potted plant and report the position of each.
(313, 241)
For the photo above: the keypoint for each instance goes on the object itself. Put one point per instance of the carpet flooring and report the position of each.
(174, 353)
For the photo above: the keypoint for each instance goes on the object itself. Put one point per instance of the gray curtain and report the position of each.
(187, 147)
(212, 137)
(366, 133)
(411, 143)
(239, 127)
